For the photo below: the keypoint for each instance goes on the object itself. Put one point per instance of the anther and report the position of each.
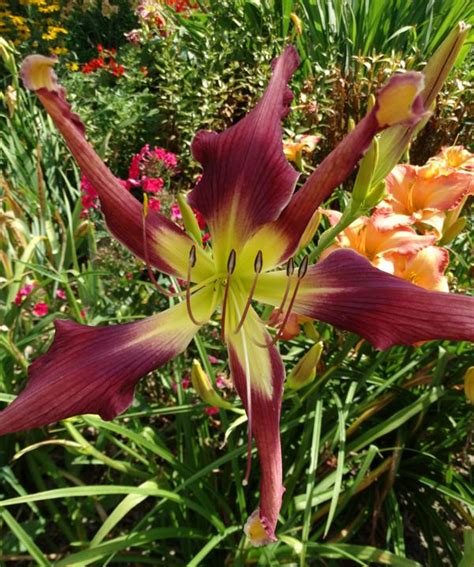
(303, 268)
(231, 262)
(258, 266)
(146, 255)
(191, 264)
(290, 267)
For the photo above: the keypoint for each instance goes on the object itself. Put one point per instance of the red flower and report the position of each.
(211, 410)
(154, 205)
(152, 185)
(40, 309)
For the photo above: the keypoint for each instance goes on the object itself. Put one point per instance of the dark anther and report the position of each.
(231, 262)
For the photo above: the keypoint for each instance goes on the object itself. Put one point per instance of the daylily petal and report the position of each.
(95, 369)
(425, 269)
(415, 189)
(246, 178)
(382, 233)
(168, 246)
(258, 375)
(397, 102)
(346, 291)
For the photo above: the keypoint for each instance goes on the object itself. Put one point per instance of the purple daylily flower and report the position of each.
(257, 222)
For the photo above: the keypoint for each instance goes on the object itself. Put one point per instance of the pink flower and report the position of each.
(222, 382)
(168, 158)
(154, 205)
(211, 410)
(152, 185)
(40, 309)
(185, 383)
(175, 212)
(89, 198)
(23, 293)
(60, 294)
(212, 359)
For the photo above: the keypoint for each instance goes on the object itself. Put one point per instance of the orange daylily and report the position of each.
(380, 238)
(425, 268)
(303, 143)
(423, 195)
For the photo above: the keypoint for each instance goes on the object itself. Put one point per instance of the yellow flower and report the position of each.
(49, 9)
(59, 50)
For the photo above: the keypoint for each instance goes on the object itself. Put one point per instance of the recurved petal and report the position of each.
(246, 178)
(167, 245)
(258, 375)
(397, 102)
(346, 291)
(95, 369)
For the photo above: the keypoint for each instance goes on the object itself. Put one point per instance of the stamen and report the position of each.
(191, 264)
(303, 268)
(151, 275)
(258, 265)
(231, 261)
(290, 268)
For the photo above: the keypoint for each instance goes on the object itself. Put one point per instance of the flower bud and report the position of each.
(189, 220)
(365, 174)
(395, 139)
(469, 384)
(204, 388)
(297, 23)
(304, 372)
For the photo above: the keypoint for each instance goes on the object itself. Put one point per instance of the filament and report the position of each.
(191, 264)
(303, 268)
(290, 268)
(230, 270)
(258, 265)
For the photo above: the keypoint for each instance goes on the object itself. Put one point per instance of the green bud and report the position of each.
(204, 388)
(394, 140)
(452, 231)
(189, 220)
(365, 174)
(375, 195)
(304, 371)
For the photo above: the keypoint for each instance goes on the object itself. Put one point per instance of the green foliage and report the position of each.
(376, 450)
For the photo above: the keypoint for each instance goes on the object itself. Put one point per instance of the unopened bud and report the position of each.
(451, 231)
(204, 388)
(375, 195)
(394, 140)
(304, 372)
(469, 384)
(365, 174)
(297, 23)
(189, 220)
